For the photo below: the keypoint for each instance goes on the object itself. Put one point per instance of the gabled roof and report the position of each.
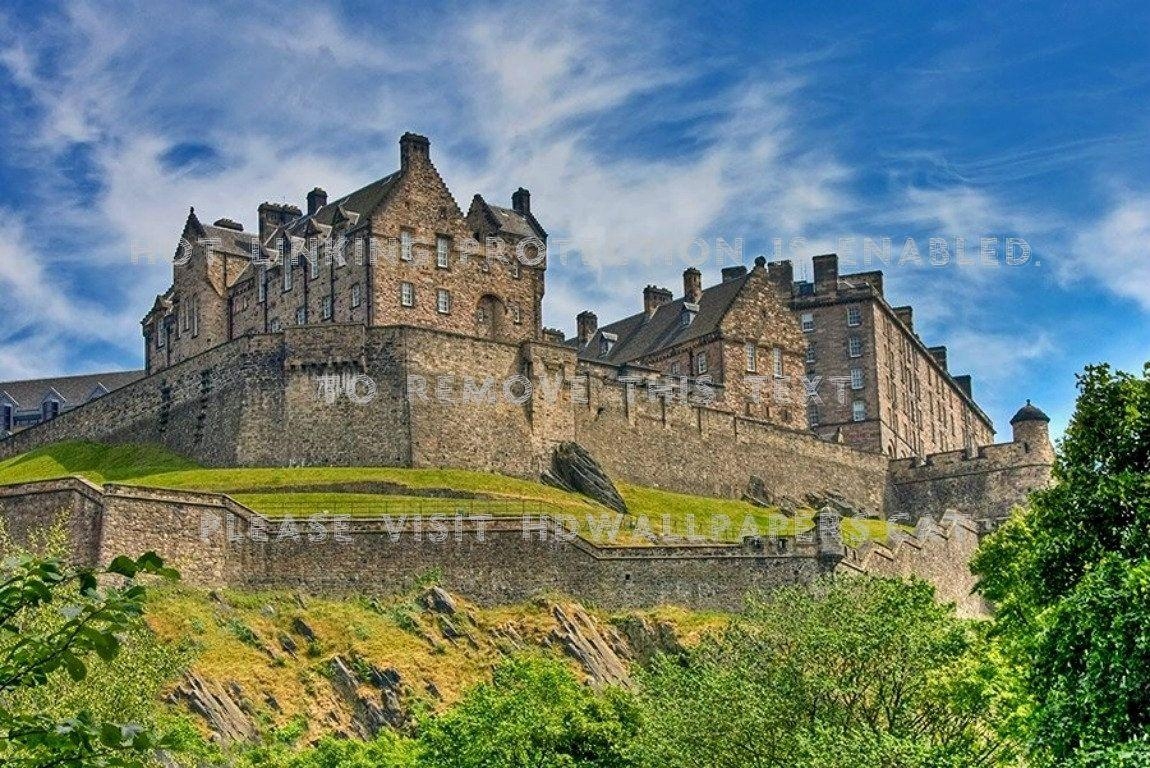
(354, 207)
(74, 390)
(508, 220)
(639, 336)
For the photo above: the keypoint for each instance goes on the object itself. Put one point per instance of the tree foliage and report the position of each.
(1071, 578)
(55, 621)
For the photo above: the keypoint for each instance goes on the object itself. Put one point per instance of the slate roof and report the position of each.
(1029, 412)
(355, 206)
(639, 336)
(75, 390)
(230, 241)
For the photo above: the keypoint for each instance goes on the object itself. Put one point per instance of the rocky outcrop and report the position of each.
(222, 707)
(600, 651)
(574, 469)
(370, 712)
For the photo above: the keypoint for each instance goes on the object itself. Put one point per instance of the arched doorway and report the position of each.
(490, 318)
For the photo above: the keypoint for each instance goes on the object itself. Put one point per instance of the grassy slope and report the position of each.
(668, 513)
(235, 637)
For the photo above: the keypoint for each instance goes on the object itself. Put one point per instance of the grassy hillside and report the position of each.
(303, 491)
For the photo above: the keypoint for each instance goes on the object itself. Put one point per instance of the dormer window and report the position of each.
(607, 342)
(50, 409)
(689, 312)
(6, 418)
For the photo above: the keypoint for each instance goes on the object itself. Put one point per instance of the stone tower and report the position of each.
(1032, 427)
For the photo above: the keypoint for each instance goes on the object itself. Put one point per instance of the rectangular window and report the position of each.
(195, 316)
(276, 325)
(356, 295)
(326, 308)
(858, 410)
(515, 270)
(856, 378)
(50, 409)
(313, 265)
(752, 354)
(813, 415)
(301, 316)
(811, 352)
(161, 332)
(808, 322)
(442, 251)
(287, 276)
(263, 287)
(700, 363)
(405, 245)
(854, 317)
(185, 315)
(676, 369)
(443, 301)
(407, 294)
(777, 362)
(6, 418)
(516, 314)
(854, 346)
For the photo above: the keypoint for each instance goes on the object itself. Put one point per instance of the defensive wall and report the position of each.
(259, 401)
(214, 542)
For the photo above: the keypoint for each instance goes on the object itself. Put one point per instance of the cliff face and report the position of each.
(266, 660)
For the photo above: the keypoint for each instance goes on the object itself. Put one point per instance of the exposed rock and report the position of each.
(301, 628)
(287, 643)
(574, 469)
(225, 716)
(646, 638)
(448, 629)
(601, 652)
(436, 599)
(369, 716)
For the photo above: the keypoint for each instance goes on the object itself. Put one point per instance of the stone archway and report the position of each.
(490, 318)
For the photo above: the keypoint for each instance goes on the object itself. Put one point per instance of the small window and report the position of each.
(405, 245)
(6, 418)
(263, 285)
(808, 322)
(813, 415)
(186, 315)
(326, 308)
(812, 352)
(195, 316)
(777, 362)
(854, 317)
(443, 301)
(301, 316)
(276, 325)
(356, 295)
(858, 410)
(313, 265)
(442, 251)
(161, 332)
(676, 368)
(604, 345)
(287, 276)
(516, 271)
(407, 294)
(856, 378)
(701, 363)
(50, 409)
(516, 314)
(854, 346)
(752, 354)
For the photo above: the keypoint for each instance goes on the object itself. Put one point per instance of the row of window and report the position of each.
(854, 319)
(858, 412)
(752, 354)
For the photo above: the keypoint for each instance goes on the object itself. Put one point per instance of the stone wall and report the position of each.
(937, 552)
(983, 485)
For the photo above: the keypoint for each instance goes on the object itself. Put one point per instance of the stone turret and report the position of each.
(1032, 427)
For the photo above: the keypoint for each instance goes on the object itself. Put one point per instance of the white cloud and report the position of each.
(1114, 251)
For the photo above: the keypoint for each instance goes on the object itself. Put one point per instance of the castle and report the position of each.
(389, 328)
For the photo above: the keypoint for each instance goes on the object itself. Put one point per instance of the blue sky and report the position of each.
(638, 127)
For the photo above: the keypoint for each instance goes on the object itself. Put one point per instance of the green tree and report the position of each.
(54, 619)
(843, 674)
(533, 714)
(1070, 575)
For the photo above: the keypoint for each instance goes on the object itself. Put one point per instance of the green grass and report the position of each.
(303, 491)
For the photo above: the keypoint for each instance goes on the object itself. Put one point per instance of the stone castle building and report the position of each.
(394, 284)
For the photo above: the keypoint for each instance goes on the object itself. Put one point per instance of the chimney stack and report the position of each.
(521, 201)
(692, 285)
(316, 199)
(781, 274)
(939, 355)
(733, 273)
(413, 149)
(906, 315)
(655, 297)
(826, 273)
(586, 323)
